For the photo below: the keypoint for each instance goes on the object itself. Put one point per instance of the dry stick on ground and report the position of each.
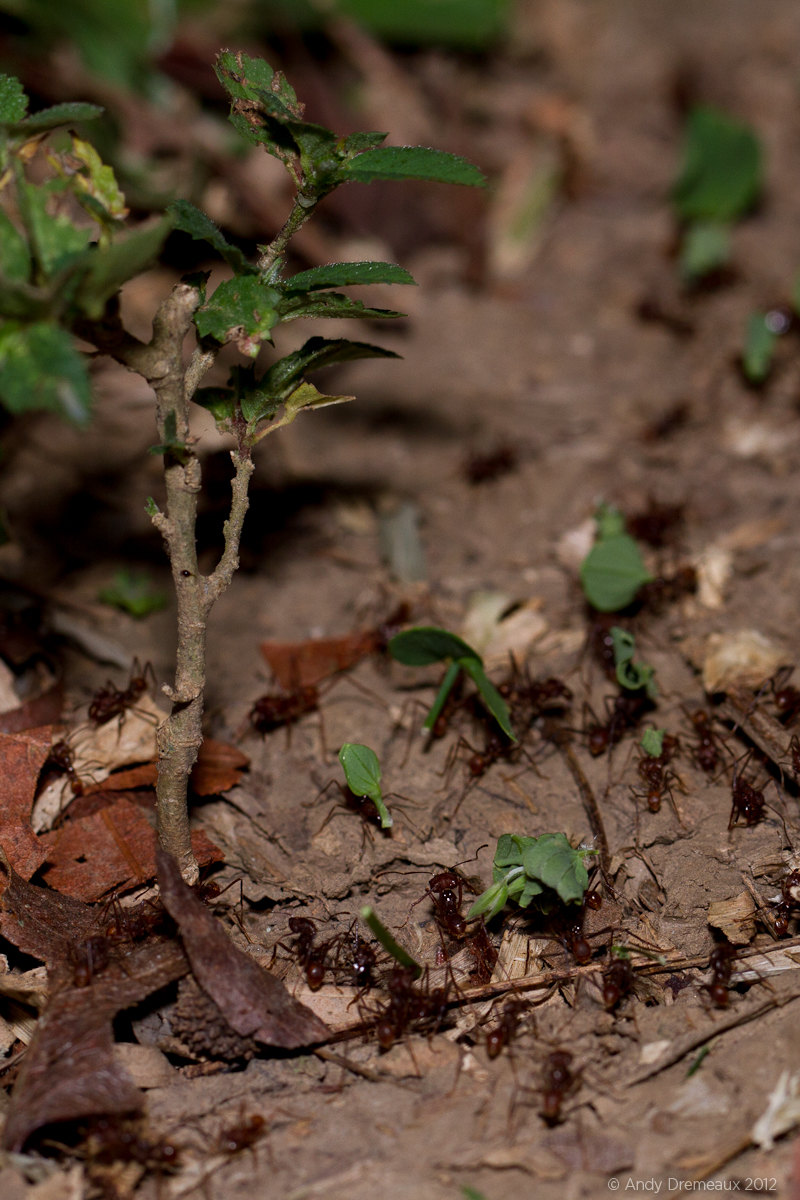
(590, 804)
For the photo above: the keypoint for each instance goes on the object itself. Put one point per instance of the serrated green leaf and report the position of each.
(705, 247)
(70, 113)
(331, 305)
(108, 267)
(362, 770)
(553, 861)
(653, 742)
(41, 368)
(14, 255)
(612, 573)
(721, 176)
(346, 274)
(316, 353)
(489, 694)
(246, 78)
(244, 309)
(13, 101)
(426, 644)
(411, 162)
(759, 348)
(193, 221)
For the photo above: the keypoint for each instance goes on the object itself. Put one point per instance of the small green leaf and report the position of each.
(471, 1193)
(653, 742)
(426, 644)
(489, 694)
(55, 241)
(193, 221)
(612, 573)
(510, 850)
(133, 592)
(721, 177)
(490, 902)
(246, 78)
(41, 368)
(316, 353)
(705, 247)
(362, 770)
(220, 402)
(13, 101)
(554, 862)
(355, 143)
(98, 181)
(410, 162)
(346, 274)
(759, 347)
(243, 310)
(376, 926)
(610, 521)
(329, 304)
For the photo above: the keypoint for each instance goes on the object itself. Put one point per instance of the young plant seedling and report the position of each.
(428, 644)
(362, 770)
(720, 181)
(613, 570)
(533, 868)
(133, 592)
(62, 275)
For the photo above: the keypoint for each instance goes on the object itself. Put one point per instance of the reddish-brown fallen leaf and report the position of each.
(125, 781)
(69, 1071)
(109, 850)
(254, 1003)
(43, 710)
(219, 766)
(302, 664)
(22, 756)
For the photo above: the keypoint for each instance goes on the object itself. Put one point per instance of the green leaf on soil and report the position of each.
(133, 592)
(758, 349)
(721, 177)
(612, 573)
(362, 770)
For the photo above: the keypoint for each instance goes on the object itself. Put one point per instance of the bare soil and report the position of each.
(541, 345)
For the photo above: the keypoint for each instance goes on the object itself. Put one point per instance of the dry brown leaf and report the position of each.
(303, 664)
(254, 1003)
(218, 768)
(22, 756)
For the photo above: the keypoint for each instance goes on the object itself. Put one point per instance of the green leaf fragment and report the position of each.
(631, 675)
(376, 927)
(70, 113)
(489, 694)
(329, 304)
(411, 162)
(721, 177)
(653, 742)
(612, 573)
(705, 247)
(553, 862)
(758, 349)
(14, 256)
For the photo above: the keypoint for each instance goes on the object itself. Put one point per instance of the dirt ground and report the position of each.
(574, 349)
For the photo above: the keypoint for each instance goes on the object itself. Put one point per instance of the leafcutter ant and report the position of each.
(242, 1135)
(622, 713)
(617, 981)
(504, 1030)
(306, 952)
(110, 701)
(707, 747)
(788, 903)
(656, 774)
(659, 525)
(274, 709)
(62, 758)
(480, 468)
(785, 697)
(88, 958)
(721, 963)
(558, 1080)
(410, 1006)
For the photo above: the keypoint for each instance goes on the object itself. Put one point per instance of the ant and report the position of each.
(785, 697)
(243, 1135)
(656, 773)
(600, 644)
(311, 957)
(666, 589)
(617, 982)
(480, 468)
(789, 901)
(622, 713)
(134, 923)
(794, 756)
(558, 1081)
(748, 803)
(358, 962)
(707, 748)
(503, 1032)
(110, 1140)
(423, 1008)
(283, 708)
(721, 963)
(109, 701)
(61, 757)
(87, 959)
(659, 525)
